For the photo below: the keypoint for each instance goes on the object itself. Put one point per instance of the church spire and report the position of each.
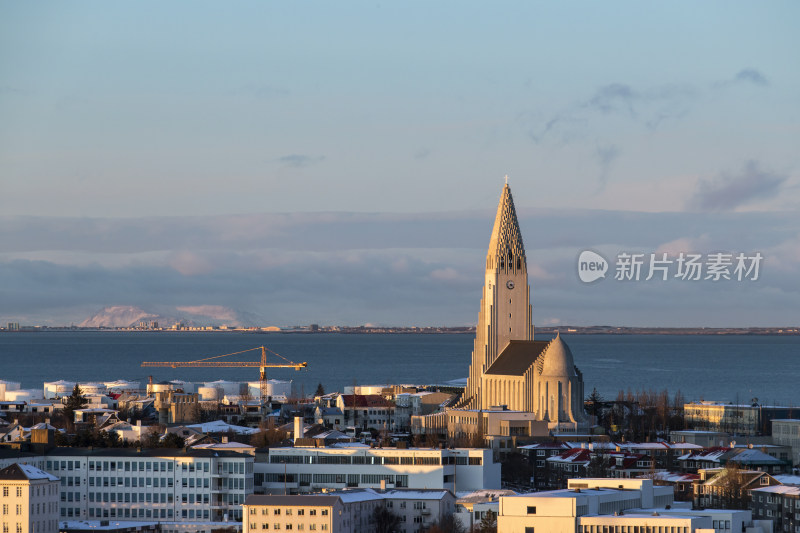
(506, 251)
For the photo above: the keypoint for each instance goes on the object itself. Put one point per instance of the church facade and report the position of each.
(510, 371)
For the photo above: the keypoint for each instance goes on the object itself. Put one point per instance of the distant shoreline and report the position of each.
(364, 330)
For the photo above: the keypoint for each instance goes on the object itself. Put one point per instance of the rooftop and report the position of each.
(23, 471)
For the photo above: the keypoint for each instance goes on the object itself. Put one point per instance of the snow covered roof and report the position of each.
(220, 426)
(360, 495)
(708, 454)
(225, 446)
(483, 495)
(787, 479)
(349, 445)
(577, 455)
(19, 471)
(779, 489)
(751, 456)
(547, 446)
(672, 477)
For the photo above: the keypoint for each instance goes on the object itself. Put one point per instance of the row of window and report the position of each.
(287, 512)
(355, 460)
(18, 492)
(628, 529)
(224, 467)
(36, 526)
(277, 526)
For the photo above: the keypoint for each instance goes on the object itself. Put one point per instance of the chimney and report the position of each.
(383, 484)
(299, 428)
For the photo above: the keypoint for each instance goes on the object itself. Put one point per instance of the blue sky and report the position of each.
(142, 146)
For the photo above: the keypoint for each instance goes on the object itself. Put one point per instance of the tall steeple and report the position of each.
(506, 250)
(505, 312)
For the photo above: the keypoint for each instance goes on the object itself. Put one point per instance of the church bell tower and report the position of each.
(505, 313)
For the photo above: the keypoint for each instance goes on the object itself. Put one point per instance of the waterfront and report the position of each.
(726, 368)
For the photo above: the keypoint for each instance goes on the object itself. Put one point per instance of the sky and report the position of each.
(341, 163)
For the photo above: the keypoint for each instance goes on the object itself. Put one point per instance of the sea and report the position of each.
(730, 368)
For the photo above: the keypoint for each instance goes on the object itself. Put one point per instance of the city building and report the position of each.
(28, 500)
(347, 511)
(147, 484)
(728, 488)
(735, 419)
(293, 470)
(472, 508)
(617, 506)
(366, 411)
(786, 432)
(704, 439)
(564, 510)
(778, 503)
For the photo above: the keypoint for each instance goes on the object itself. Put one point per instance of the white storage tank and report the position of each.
(58, 389)
(122, 385)
(210, 394)
(161, 386)
(92, 388)
(7, 386)
(229, 388)
(275, 387)
(186, 386)
(21, 395)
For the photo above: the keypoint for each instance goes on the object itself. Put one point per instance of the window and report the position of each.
(531, 509)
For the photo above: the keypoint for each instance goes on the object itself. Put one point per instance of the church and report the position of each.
(517, 385)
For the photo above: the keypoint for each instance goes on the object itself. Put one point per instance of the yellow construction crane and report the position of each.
(262, 365)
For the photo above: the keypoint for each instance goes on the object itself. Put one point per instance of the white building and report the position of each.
(347, 511)
(28, 500)
(786, 432)
(302, 470)
(164, 484)
(560, 510)
(616, 505)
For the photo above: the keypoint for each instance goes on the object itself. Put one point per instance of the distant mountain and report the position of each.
(123, 316)
(118, 316)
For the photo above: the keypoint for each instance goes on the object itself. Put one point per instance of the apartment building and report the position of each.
(779, 503)
(786, 432)
(163, 484)
(28, 500)
(560, 510)
(348, 511)
(294, 470)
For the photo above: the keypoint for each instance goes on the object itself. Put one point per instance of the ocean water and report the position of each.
(728, 368)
